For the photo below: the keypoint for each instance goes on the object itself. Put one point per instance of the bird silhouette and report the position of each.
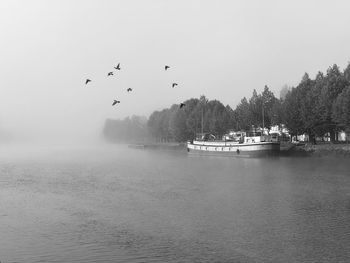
(115, 102)
(87, 81)
(182, 105)
(166, 67)
(110, 73)
(129, 89)
(117, 67)
(174, 84)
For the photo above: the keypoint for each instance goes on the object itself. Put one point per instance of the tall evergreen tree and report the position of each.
(335, 82)
(244, 116)
(268, 100)
(341, 109)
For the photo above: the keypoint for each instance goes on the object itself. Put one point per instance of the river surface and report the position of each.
(114, 204)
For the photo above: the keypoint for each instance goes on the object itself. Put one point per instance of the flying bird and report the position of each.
(87, 81)
(182, 105)
(110, 73)
(117, 67)
(115, 102)
(174, 84)
(129, 89)
(166, 67)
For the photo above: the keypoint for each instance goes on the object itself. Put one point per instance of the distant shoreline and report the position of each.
(324, 149)
(159, 146)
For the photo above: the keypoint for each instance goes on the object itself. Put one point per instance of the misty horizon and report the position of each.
(221, 50)
(174, 131)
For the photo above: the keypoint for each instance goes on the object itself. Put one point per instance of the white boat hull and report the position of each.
(233, 149)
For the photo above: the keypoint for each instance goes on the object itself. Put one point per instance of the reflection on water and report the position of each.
(114, 204)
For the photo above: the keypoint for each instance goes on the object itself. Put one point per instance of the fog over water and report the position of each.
(114, 204)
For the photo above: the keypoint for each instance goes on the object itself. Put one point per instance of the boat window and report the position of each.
(253, 134)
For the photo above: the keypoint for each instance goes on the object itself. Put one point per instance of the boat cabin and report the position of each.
(233, 136)
(256, 137)
(205, 137)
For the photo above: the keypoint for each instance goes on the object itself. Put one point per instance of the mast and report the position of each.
(202, 123)
(263, 120)
(263, 117)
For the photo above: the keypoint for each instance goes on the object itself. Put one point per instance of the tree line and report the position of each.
(314, 107)
(319, 106)
(181, 124)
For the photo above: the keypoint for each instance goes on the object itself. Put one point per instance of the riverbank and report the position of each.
(325, 149)
(307, 149)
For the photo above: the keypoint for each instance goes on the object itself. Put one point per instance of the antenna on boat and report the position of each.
(203, 102)
(202, 122)
(263, 119)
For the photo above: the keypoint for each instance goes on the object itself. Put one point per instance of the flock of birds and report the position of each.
(111, 73)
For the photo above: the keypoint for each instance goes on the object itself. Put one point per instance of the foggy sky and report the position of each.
(222, 49)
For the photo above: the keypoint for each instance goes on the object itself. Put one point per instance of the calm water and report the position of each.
(114, 204)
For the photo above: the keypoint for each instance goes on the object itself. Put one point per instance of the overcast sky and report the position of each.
(222, 49)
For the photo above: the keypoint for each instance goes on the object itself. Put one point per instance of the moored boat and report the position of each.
(234, 144)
